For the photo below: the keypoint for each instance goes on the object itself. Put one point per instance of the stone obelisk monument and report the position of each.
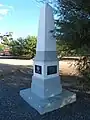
(46, 93)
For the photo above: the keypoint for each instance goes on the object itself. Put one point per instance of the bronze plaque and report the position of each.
(38, 69)
(51, 70)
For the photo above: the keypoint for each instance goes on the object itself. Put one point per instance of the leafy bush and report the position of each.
(63, 49)
(66, 49)
(23, 47)
(30, 46)
(17, 47)
(83, 66)
(2, 47)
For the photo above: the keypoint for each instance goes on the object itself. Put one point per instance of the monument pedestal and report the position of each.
(49, 104)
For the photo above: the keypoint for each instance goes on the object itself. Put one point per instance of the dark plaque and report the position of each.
(51, 70)
(38, 69)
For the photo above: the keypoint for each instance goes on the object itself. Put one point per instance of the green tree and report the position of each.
(6, 38)
(2, 47)
(24, 47)
(17, 46)
(21, 46)
(30, 46)
(72, 25)
(73, 22)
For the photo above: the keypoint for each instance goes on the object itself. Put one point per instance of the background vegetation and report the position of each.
(21, 46)
(72, 32)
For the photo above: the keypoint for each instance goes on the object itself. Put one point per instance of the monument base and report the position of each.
(50, 104)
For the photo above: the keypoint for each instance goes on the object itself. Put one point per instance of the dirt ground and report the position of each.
(16, 75)
(66, 67)
(68, 72)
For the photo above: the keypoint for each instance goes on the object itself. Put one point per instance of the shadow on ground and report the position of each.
(13, 107)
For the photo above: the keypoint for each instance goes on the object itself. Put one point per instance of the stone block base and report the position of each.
(50, 104)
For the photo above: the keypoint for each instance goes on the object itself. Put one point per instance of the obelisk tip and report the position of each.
(46, 1)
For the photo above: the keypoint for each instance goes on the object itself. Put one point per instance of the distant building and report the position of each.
(6, 51)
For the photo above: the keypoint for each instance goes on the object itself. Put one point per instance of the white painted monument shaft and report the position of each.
(46, 93)
(46, 80)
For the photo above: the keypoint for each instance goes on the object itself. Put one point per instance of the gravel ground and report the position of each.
(13, 107)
